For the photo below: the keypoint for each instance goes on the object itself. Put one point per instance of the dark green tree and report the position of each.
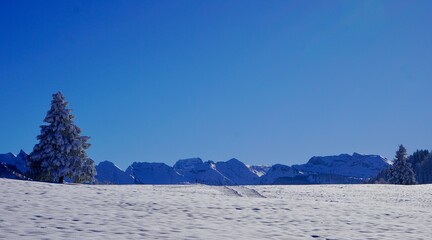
(401, 172)
(61, 151)
(418, 161)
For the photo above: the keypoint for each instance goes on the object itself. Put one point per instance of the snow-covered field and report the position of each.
(32, 210)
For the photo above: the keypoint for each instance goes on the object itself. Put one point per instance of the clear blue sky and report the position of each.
(262, 81)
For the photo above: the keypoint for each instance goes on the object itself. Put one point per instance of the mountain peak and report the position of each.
(109, 173)
(235, 161)
(356, 165)
(22, 153)
(188, 163)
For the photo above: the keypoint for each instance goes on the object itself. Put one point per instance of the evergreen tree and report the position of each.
(427, 169)
(401, 172)
(61, 151)
(418, 161)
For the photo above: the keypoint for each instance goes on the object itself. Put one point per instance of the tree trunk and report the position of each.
(61, 179)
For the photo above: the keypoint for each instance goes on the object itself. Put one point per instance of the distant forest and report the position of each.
(421, 164)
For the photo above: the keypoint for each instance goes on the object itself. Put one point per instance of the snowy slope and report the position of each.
(259, 170)
(356, 165)
(33, 210)
(109, 173)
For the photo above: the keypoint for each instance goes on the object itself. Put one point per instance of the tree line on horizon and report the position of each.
(413, 169)
(61, 153)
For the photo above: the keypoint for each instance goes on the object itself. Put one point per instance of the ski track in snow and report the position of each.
(32, 210)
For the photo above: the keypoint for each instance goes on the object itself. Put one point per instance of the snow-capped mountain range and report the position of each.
(344, 168)
(338, 169)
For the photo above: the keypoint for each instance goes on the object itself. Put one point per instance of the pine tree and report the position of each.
(401, 172)
(418, 161)
(61, 151)
(427, 169)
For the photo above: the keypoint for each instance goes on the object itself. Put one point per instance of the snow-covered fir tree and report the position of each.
(401, 172)
(61, 151)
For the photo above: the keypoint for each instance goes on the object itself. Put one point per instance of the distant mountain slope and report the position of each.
(237, 172)
(153, 173)
(196, 171)
(8, 158)
(109, 173)
(17, 163)
(259, 170)
(185, 165)
(10, 171)
(278, 171)
(356, 165)
(340, 169)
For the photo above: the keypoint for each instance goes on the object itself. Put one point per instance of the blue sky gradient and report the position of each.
(262, 81)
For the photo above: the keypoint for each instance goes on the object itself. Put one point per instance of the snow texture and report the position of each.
(34, 210)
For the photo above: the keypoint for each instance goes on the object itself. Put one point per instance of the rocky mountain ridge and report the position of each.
(339, 169)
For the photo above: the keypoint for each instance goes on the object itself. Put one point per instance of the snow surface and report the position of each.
(33, 210)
